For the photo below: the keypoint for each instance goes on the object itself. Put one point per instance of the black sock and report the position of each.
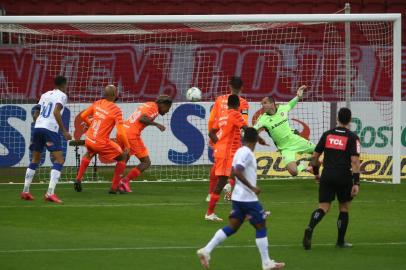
(342, 224)
(316, 217)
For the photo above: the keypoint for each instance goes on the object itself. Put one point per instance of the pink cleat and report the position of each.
(125, 185)
(27, 196)
(52, 198)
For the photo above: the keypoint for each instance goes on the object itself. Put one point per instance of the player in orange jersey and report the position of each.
(226, 135)
(236, 86)
(101, 117)
(142, 117)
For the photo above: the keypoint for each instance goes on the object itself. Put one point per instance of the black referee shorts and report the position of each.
(334, 183)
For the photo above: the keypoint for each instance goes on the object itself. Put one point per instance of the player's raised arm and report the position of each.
(292, 103)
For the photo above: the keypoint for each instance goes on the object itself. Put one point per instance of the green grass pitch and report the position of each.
(160, 226)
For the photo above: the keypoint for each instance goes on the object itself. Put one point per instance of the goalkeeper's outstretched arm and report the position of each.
(299, 95)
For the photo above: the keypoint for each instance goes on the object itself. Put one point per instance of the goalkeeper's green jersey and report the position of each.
(277, 125)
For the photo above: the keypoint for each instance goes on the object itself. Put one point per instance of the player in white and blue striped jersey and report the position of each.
(45, 134)
(245, 204)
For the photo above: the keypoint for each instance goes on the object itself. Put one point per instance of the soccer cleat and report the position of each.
(227, 196)
(52, 198)
(204, 258)
(116, 191)
(227, 190)
(213, 217)
(27, 196)
(267, 214)
(125, 185)
(307, 239)
(208, 198)
(344, 245)
(273, 265)
(77, 186)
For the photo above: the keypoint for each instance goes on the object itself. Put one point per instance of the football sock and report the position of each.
(134, 173)
(262, 245)
(212, 204)
(342, 224)
(29, 175)
(118, 172)
(218, 237)
(82, 169)
(55, 174)
(213, 180)
(316, 217)
(300, 168)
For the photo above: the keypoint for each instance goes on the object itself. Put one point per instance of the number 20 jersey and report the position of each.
(48, 101)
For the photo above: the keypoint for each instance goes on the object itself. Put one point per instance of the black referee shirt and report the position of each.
(338, 145)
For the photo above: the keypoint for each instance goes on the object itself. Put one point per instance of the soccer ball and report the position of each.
(194, 94)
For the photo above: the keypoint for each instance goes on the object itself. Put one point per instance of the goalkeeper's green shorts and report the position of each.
(296, 145)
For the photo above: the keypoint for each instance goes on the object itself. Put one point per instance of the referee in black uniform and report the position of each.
(340, 176)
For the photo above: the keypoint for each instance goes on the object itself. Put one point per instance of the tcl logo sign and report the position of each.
(336, 142)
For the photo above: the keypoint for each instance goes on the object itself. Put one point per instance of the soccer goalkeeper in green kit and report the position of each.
(275, 122)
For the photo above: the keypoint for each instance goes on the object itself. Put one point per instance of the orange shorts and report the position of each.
(137, 147)
(108, 151)
(222, 166)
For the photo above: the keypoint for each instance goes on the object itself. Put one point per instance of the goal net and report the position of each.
(341, 66)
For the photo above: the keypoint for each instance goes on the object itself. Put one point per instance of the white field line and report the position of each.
(179, 247)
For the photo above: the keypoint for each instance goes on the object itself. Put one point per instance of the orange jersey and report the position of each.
(229, 124)
(105, 115)
(220, 105)
(133, 126)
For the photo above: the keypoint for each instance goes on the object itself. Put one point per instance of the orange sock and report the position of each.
(212, 179)
(134, 173)
(213, 202)
(82, 169)
(118, 172)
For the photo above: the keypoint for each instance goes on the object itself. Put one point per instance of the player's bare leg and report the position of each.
(214, 197)
(292, 168)
(145, 163)
(84, 163)
(29, 175)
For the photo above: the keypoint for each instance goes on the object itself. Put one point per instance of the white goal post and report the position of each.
(243, 23)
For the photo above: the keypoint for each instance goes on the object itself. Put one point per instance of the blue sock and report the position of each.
(261, 233)
(57, 166)
(228, 231)
(33, 166)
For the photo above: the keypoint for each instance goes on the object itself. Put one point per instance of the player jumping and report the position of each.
(275, 122)
(236, 86)
(226, 136)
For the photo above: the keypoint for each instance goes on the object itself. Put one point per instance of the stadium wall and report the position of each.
(139, 73)
(185, 140)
